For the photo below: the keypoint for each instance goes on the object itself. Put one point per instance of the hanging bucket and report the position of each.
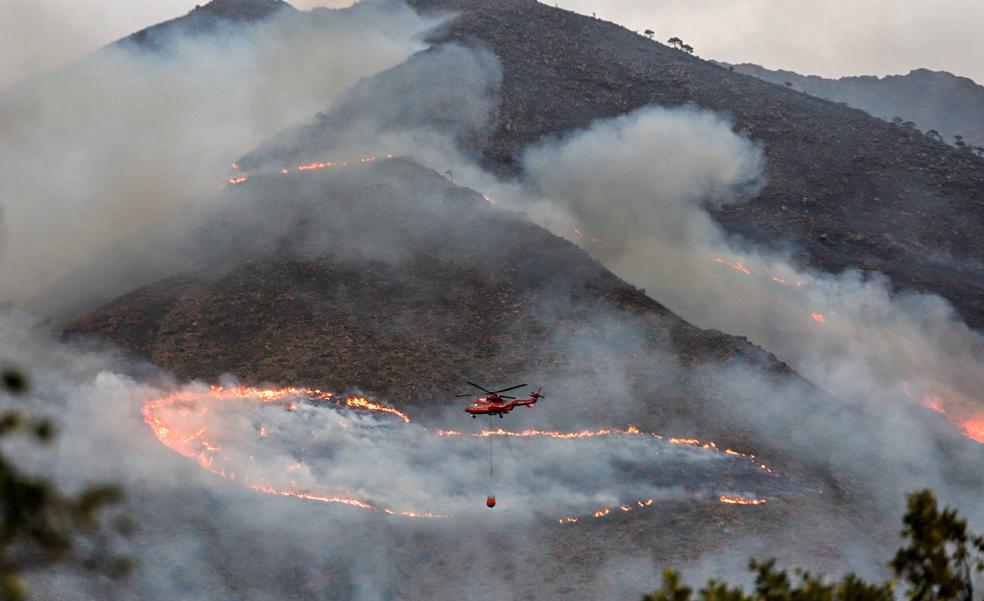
(490, 502)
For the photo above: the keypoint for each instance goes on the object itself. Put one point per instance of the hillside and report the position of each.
(950, 104)
(207, 19)
(354, 278)
(390, 279)
(845, 188)
(382, 277)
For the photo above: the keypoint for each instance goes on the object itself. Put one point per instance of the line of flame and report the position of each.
(972, 428)
(314, 166)
(629, 431)
(731, 500)
(196, 446)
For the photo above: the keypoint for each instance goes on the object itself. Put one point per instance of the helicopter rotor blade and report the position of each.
(508, 389)
(460, 396)
(478, 387)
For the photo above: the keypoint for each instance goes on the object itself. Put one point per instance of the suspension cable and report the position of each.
(490, 453)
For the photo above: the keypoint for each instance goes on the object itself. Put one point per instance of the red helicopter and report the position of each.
(496, 403)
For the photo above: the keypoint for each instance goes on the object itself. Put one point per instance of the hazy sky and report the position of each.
(832, 38)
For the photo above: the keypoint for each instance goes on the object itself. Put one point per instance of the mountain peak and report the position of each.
(207, 18)
(242, 10)
(468, 4)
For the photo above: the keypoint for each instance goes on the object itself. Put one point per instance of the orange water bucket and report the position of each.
(490, 502)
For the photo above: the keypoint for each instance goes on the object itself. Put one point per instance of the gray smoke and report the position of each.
(637, 188)
(192, 523)
(110, 161)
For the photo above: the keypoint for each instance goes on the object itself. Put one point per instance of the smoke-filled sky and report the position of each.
(835, 38)
(832, 39)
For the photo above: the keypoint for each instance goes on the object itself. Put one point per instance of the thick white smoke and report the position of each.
(635, 191)
(192, 519)
(310, 448)
(107, 162)
(638, 188)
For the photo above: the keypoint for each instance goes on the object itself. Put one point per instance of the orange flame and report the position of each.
(736, 265)
(740, 500)
(818, 317)
(971, 427)
(607, 511)
(195, 444)
(238, 180)
(315, 166)
(363, 403)
(974, 430)
(631, 430)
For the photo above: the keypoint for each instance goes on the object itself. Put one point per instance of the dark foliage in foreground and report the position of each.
(41, 526)
(937, 564)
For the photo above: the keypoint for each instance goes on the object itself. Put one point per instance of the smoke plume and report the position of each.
(638, 189)
(110, 161)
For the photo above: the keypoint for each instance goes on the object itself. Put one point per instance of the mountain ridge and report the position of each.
(932, 100)
(205, 19)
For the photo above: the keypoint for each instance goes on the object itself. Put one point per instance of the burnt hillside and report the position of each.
(389, 279)
(845, 188)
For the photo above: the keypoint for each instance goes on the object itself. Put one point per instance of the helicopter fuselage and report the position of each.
(498, 406)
